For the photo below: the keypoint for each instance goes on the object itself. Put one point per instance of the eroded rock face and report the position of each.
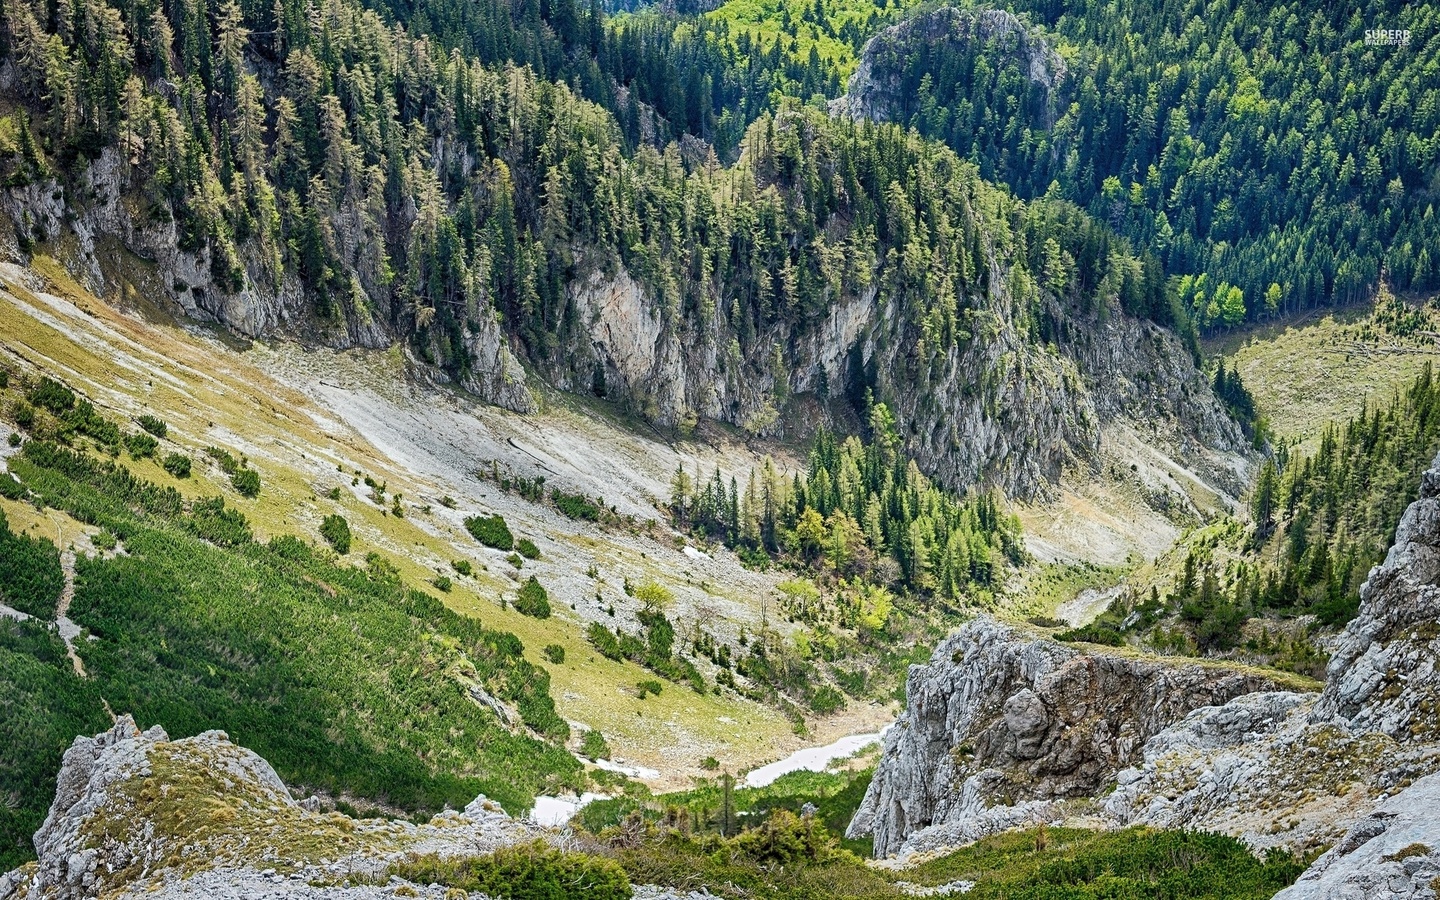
(1002, 725)
(1391, 854)
(874, 92)
(1382, 676)
(1352, 768)
(995, 410)
(136, 814)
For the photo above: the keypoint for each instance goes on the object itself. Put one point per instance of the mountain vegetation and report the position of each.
(200, 626)
(400, 179)
(1320, 522)
(1270, 156)
(864, 512)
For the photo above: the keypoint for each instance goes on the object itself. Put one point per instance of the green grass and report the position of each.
(836, 35)
(1116, 865)
(343, 678)
(1321, 369)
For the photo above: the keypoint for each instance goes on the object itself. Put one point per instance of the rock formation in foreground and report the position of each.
(1001, 730)
(136, 814)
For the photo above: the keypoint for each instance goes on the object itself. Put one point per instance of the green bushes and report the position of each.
(576, 506)
(195, 635)
(785, 839)
(491, 531)
(594, 746)
(244, 479)
(45, 705)
(141, 445)
(528, 872)
(554, 653)
(335, 530)
(11, 489)
(30, 575)
(605, 641)
(1135, 864)
(51, 395)
(462, 567)
(246, 482)
(533, 600)
(442, 583)
(211, 520)
(1094, 633)
(177, 464)
(647, 688)
(827, 699)
(526, 548)
(153, 425)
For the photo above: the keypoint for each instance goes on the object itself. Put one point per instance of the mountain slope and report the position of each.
(1282, 155)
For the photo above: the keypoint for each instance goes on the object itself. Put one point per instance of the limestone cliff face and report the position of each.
(1001, 725)
(1303, 771)
(997, 409)
(1000, 728)
(874, 90)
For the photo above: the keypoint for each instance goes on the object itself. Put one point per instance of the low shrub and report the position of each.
(594, 746)
(141, 445)
(533, 600)
(526, 548)
(153, 425)
(336, 531)
(554, 653)
(527, 872)
(491, 531)
(246, 482)
(177, 464)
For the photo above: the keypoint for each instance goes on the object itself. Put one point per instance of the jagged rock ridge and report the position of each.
(1353, 767)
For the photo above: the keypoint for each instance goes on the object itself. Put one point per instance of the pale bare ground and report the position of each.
(312, 421)
(1117, 514)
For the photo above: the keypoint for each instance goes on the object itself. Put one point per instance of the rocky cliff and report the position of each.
(999, 406)
(1298, 771)
(1002, 727)
(875, 92)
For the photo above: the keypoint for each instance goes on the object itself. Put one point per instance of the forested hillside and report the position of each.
(1267, 150)
(1319, 522)
(325, 171)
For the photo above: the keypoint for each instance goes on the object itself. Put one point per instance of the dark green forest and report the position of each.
(393, 176)
(1265, 150)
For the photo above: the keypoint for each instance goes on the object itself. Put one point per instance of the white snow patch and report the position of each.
(813, 759)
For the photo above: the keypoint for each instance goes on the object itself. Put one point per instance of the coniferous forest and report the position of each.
(1270, 157)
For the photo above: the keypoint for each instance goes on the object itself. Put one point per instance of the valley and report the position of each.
(834, 450)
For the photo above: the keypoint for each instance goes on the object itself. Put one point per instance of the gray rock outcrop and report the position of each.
(1000, 730)
(1298, 771)
(874, 90)
(136, 814)
(1391, 854)
(1002, 726)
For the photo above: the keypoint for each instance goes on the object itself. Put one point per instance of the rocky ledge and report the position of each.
(1004, 727)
